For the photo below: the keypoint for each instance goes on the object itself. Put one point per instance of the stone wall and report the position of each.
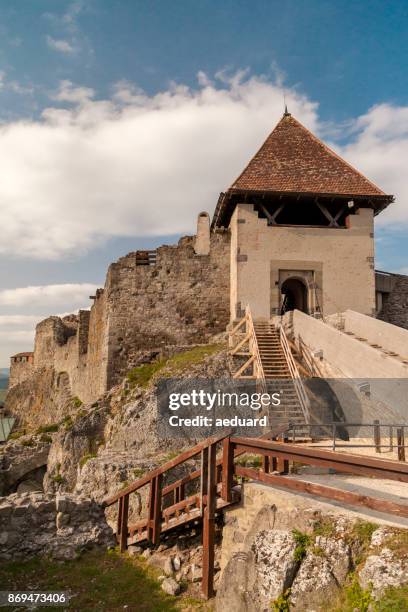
(21, 367)
(340, 259)
(60, 527)
(278, 545)
(181, 299)
(395, 304)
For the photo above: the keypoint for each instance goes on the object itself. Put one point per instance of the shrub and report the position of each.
(28, 442)
(77, 402)
(302, 541)
(67, 422)
(281, 604)
(46, 438)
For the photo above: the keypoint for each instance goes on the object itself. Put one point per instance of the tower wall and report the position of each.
(341, 260)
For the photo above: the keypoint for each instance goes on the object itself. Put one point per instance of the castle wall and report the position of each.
(21, 367)
(341, 259)
(182, 299)
(395, 304)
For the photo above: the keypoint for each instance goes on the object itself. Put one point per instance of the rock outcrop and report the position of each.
(60, 526)
(302, 553)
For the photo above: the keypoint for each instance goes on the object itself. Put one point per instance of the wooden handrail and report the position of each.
(218, 480)
(251, 329)
(188, 454)
(294, 372)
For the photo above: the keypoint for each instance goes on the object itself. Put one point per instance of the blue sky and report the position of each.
(108, 105)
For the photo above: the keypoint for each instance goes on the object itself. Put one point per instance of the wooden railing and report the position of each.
(259, 371)
(218, 476)
(294, 372)
(249, 340)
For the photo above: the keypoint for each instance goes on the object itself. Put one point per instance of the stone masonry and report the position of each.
(180, 298)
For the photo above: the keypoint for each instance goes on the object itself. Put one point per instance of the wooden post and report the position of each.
(401, 444)
(282, 465)
(227, 470)
(157, 514)
(266, 464)
(377, 436)
(124, 523)
(119, 519)
(209, 524)
(204, 478)
(150, 512)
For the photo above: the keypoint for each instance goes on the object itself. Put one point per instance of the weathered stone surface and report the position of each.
(261, 565)
(321, 573)
(35, 524)
(20, 460)
(181, 300)
(171, 586)
(168, 567)
(383, 570)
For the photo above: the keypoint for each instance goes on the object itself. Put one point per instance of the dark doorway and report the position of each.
(294, 293)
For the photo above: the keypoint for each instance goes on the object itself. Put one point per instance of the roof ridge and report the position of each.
(270, 165)
(332, 152)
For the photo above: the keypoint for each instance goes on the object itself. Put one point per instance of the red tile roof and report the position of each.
(293, 160)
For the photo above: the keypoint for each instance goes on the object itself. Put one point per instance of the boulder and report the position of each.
(170, 586)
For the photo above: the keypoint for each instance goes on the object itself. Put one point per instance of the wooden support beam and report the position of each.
(227, 470)
(245, 367)
(209, 525)
(240, 344)
(327, 214)
(119, 519)
(204, 478)
(124, 523)
(150, 511)
(401, 444)
(157, 513)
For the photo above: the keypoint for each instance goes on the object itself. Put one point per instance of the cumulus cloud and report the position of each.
(380, 148)
(137, 165)
(132, 165)
(71, 295)
(60, 45)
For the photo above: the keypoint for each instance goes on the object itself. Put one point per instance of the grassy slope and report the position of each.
(98, 581)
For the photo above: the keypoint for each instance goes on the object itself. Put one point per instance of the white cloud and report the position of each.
(146, 165)
(133, 165)
(60, 45)
(68, 92)
(380, 149)
(69, 295)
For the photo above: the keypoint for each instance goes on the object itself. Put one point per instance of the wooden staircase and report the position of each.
(277, 374)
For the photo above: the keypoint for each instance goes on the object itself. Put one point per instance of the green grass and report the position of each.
(3, 393)
(86, 458)
(144, 374)
(52, 427)
(98, 581)
(393, 600)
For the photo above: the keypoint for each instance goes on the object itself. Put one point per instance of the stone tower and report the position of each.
(302, 232)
